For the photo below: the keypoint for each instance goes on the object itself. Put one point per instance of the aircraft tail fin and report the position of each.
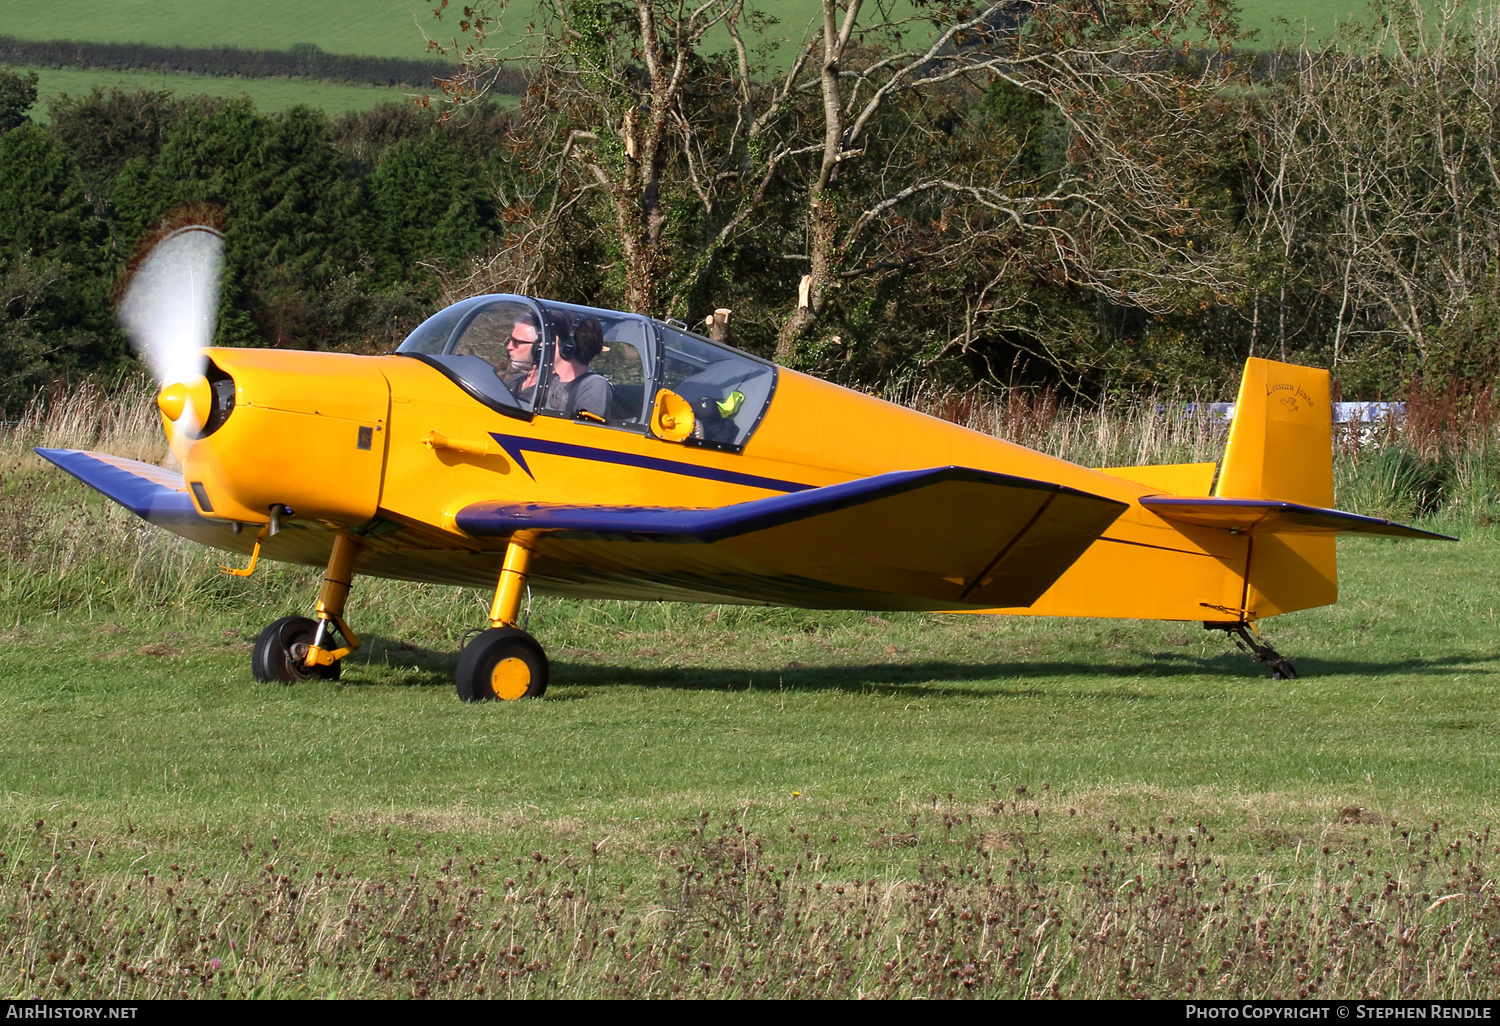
(1281, 441)
(1281, 448)
(1256, 534)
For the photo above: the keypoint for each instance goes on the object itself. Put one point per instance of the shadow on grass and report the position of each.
(413, 666)
(392, 662)
(1314, 666)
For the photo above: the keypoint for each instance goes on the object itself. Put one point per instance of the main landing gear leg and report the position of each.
(1248, 640)
(298, 648)
(504, 662)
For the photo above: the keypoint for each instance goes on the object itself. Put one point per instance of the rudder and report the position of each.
(1281, 441)
(1281, 447)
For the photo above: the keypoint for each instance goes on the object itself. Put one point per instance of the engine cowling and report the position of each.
(304, 431)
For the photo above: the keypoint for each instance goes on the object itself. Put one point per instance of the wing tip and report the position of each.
(149, 492)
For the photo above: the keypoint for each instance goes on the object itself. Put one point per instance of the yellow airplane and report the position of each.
(516, 443)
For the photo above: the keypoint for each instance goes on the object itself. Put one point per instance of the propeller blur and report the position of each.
(169, 310)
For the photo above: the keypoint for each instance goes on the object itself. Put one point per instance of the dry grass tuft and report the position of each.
(1125, 431)
(121, 419)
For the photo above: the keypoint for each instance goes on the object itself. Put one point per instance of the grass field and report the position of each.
(395, 29)
(386, 29)
(382, 28)
(732, 801)
(268, 94)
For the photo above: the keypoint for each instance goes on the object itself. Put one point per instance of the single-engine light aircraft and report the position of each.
(512, 442)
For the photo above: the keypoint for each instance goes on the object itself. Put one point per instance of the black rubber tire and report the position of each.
(279, 651)
(502, 663)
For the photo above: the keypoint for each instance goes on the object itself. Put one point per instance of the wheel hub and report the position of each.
(510, 678)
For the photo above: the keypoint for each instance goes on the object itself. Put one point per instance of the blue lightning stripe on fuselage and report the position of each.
(515, 446)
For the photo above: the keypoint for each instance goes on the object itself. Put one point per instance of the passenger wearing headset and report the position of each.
(572, 389)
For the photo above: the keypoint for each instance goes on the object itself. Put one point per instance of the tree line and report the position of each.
(1075, 193)
(340, 231)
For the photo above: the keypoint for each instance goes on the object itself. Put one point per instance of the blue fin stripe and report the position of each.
(515, 446)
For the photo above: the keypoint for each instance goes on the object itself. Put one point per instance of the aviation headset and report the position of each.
(570, 347)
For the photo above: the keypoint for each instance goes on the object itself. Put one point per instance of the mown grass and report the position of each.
(731, 801)
(268, 94)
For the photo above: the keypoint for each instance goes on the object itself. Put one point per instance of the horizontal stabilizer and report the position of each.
(1272, 516)
(922, 539)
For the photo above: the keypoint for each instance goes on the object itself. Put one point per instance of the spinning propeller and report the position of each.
(168, 311)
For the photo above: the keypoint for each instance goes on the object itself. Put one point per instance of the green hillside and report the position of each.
(393, 28)
(386, 28)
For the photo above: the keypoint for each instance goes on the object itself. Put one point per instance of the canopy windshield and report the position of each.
(524, 356)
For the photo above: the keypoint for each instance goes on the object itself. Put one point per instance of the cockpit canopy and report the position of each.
(524, 357)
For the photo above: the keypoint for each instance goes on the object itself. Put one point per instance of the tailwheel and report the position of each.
(502, 663)
(1280, 666)
(280, 653)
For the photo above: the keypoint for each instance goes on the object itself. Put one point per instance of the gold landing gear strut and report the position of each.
(504, 662)
(300, 648)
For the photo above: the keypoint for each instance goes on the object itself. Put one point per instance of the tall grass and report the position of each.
(119, 417)
(1126, 431)
(63, 547)
(1440, 461)
(1154, 913)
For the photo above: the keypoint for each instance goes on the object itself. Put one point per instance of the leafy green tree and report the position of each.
(288, 211)
(17, 97)
(42, 206)
(420, 204)
(105, 128)
(53, 311)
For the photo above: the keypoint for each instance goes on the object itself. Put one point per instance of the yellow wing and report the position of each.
(943, 538)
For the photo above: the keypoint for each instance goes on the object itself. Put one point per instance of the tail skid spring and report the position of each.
(1280, 666)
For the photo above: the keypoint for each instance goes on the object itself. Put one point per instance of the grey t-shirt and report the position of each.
(590, 392)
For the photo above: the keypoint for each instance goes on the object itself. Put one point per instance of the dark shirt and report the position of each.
(589, 391)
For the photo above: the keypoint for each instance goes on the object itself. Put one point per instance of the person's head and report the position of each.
(586, 341)
(522, 344)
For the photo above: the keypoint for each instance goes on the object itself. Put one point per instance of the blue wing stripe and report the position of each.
(146, 491)
(708, 525)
